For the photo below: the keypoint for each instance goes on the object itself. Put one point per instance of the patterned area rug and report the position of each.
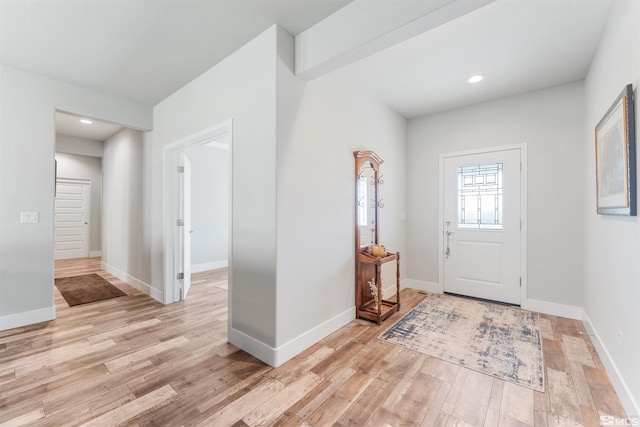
(493, 339)
(87, 288)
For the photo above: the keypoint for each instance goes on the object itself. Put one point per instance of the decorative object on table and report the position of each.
(87, 288)
(378, 251)
(374, 292)
(616, 157)
(370, 255)
(497, 340)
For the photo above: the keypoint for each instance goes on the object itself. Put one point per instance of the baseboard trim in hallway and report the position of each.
(154, 293)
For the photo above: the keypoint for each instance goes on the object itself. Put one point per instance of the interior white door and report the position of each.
(482, 225)
(185, 229)
(72, 205)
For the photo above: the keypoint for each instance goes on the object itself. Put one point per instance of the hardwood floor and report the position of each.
(133, 361)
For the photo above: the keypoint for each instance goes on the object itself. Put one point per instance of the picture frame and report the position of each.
(615, 138)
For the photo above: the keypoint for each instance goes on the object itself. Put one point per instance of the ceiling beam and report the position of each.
(364, 27)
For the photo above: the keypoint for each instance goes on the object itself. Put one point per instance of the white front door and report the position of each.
(184, 203)
(72, 205)
(482, 225)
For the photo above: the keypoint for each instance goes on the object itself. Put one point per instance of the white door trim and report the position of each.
(523, 211)
(221, 131)
(183, 234)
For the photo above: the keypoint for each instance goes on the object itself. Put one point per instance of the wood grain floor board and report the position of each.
(92, 407)
(581, 383)
(399, 388)
(243, 402)
(7, 375)
(305, 407)
(457, 382)
(133, 408)
(335, 360)
(473, 400)
(435, 408)
(541, 407)
(577, 351)
(563, 396)
(135, 362)
(29, 418)
(554, 355)
(363, 409)
(607, 402)
(416, 401)
(443, 370)
(518, 403)
(374, 358)
(271, 409)
(590, 416)
(300, 364)
(546, 329)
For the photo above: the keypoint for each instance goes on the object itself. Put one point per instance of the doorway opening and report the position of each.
(79, 154)
(109, 157)
(73, 200)
(180, 235)
(483, 224)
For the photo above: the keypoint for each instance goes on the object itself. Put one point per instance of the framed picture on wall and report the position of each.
(616, 158)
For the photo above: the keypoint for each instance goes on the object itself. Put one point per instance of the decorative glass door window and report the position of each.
(480, 193)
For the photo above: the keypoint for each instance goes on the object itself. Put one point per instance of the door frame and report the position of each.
(523, 210)
(183, 233)
(171, 152)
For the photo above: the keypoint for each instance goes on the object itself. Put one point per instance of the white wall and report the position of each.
(209, 207)
(306, 179)
(81, 146)
(611, 248)
(123, 250)
(241, 87)
(85, 167)
(27, 144)
(320, 125)
(551, 122)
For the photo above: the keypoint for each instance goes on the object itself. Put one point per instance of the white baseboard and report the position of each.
(277, 356)
(546, 307)
(17, 320)
(630, 405)
(154, 293)
(420, 285)
(197, 268)
(254, 347)
(389, 290)
(93, 254)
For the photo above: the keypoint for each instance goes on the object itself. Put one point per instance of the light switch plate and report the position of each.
(29, 217)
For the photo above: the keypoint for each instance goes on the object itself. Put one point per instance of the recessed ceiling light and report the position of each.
(86, 121)
(475, 79)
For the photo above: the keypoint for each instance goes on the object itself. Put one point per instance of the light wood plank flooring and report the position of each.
(133, 361)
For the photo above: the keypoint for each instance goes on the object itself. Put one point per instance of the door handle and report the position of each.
(447, 252)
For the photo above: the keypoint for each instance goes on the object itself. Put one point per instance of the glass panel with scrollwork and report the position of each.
(480, 193)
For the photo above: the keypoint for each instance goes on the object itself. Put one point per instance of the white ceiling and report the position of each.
(517, 45)
(68, 124)
(141, 50)
(145, 50)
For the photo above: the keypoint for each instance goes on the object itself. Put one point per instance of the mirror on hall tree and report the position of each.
(367, 176)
